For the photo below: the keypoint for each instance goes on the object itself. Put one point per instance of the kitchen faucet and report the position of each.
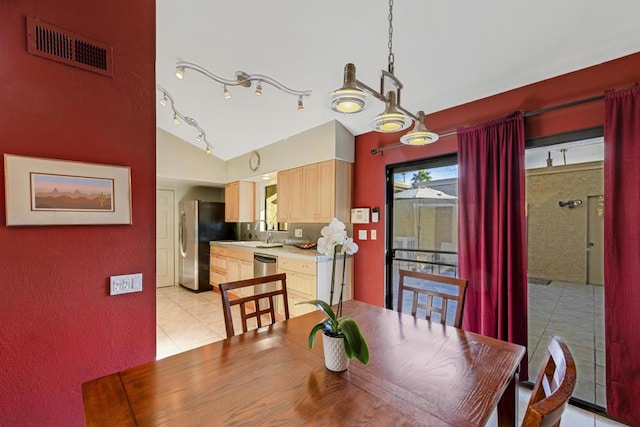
(268, 239)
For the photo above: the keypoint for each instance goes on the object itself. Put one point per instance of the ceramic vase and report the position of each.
(335, 358)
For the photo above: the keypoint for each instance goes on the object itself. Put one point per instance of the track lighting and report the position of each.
(352, 98)
(240, 79)
(177, 116)
(420, 135)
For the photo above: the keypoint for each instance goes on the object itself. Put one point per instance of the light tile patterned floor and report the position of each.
(576, 313)
(187, 320)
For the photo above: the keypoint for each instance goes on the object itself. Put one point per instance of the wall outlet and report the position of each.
(298, 232)
(248, 227)
(125, 284)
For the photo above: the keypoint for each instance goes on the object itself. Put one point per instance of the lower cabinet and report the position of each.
(229, 265)
(309, 280)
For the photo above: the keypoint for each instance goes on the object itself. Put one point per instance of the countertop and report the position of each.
(287, 251)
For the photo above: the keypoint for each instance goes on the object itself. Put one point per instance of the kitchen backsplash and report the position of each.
(310, 232)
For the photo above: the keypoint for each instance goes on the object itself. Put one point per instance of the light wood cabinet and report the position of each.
(240, 201)
(309, 280)
(229, 265)
(315, 193)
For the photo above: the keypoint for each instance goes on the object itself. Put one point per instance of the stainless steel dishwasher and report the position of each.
(264, 265)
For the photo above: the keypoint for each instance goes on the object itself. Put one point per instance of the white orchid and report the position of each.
(334, 235)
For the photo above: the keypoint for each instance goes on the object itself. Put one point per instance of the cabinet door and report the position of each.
(246, 201)
(231, 199)
(310, 197)
(285, 199)
(326, 191)
(297, 195)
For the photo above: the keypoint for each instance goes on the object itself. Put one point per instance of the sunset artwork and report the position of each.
(51, 192)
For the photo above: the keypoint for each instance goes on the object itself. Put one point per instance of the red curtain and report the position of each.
(622, 253)
(491, 229)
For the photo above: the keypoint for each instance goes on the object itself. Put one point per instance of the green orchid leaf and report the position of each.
(312, 335)
(354, 343)
(322, 306)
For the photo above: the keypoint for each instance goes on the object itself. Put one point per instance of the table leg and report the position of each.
(508, 405)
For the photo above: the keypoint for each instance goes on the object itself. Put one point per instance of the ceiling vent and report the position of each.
(60, 45)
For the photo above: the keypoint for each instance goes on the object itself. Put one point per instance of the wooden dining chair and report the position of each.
(253, 306)
(431, 295)
(553, 388)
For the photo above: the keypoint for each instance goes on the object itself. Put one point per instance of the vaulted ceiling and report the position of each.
(446, 53)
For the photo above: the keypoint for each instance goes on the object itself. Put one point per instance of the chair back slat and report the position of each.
(250, 306)
(433, 295)
(553, 388)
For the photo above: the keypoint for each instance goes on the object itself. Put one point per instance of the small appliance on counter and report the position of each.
(200, 223)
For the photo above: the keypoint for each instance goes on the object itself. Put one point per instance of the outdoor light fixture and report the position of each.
(241, 79)
(352, 98)
(177, 116)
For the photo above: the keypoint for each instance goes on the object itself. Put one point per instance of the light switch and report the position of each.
(374, 234)
(362, 234)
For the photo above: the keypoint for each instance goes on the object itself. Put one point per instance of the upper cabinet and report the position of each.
(240, 201)
(315, 193)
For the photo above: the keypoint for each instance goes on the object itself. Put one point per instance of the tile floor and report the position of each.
(186, 320)
(576, 313)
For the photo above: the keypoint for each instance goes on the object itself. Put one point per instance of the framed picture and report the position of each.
(58, 192)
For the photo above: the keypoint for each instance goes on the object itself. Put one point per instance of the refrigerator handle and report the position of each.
(181, 235)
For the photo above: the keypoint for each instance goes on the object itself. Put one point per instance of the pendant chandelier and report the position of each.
(352, 97)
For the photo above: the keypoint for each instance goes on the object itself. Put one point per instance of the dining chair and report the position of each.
(260, 303)
(433, 295)
(553, 388)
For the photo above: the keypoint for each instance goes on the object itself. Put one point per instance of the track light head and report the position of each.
(300, 103)
(164, 100)
(259, 88)
(180, 73)
(227, 94)
(390, 120)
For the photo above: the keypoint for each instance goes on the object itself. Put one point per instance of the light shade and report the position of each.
(391, 120)
(348, 99)
(420, 135)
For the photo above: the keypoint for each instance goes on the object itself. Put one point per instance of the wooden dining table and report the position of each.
(420, 373)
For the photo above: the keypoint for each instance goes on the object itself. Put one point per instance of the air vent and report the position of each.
(60, 45)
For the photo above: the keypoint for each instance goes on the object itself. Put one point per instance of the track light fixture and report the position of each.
(241, 79)
(177, 116)
(353, 97)
(300, 103)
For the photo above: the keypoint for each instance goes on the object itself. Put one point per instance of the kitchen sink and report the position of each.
(255, 244)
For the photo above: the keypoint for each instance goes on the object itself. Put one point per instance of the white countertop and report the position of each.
(284, 251)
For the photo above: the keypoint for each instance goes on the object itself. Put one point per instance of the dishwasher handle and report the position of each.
(265, 259)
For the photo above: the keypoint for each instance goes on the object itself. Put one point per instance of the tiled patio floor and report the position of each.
(576, 313)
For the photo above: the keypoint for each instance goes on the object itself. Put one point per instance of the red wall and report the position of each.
(58, 325)
(369, 185)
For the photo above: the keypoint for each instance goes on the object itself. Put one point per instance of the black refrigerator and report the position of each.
(200, 223)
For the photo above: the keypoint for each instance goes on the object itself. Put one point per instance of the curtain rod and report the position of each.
(525, 115)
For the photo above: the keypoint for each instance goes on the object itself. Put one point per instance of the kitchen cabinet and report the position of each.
(229, 265)
(240, 201)
(315, 193)
(309, 280)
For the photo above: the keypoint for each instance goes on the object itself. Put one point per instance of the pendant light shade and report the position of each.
(420, 135)
(348, 99)
(391, 120)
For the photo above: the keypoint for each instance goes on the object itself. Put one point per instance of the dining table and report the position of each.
(419, 373)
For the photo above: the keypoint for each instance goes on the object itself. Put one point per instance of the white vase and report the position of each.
(335, 358)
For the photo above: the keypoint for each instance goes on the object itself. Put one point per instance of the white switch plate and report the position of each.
(298, 232)
(374, 234)
(125, 284)
(362, 234)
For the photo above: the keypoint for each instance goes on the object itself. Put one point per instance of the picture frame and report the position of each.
(41, 191)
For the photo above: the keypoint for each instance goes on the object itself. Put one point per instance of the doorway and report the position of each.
(165, 238)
